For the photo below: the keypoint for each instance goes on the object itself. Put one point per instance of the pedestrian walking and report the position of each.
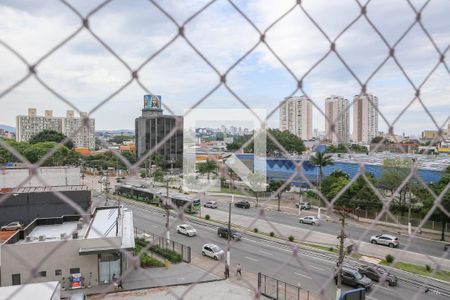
(115, 281)
(227, 271)
(238, 271)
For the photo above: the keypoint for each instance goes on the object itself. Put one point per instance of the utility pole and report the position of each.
(167, 212)
(340, 262)
(229, 231)
(106, 187)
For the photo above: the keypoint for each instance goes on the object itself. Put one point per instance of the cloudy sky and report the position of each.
(85, 73)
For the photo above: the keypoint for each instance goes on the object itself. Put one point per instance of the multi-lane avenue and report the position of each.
(258, 255)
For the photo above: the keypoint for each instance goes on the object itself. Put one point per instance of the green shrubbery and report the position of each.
(291, 238)
(171, 255)
(389, 259)
(145, 260)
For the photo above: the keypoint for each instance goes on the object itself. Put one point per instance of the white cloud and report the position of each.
(84, 72)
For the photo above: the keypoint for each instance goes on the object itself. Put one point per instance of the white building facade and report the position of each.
(71, 126)
(365, 118)
(337, 116)
(296, 116)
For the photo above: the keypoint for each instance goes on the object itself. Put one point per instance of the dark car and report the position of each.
(352, 277)
(378, 273)
(242, 204)
(446, 247)
(303, 205)
(224, 232)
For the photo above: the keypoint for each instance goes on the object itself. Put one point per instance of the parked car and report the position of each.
(303, 205)
(378, 273)
(212, 251)
(224, 232)
(313, 220)
(242, 204)
(211, 204)
(12, 226)
(352, 277)
(446, 247)
(186, 230)
(385, 239)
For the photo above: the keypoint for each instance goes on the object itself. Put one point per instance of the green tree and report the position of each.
(292, 143)
(207, 167)
(50, 136)
(158, 175)
(321, 160)
(274, 186)
(394, 172)
(257, 182)
(36, 151)
(378, 139)
(118, 139)
(428, 200)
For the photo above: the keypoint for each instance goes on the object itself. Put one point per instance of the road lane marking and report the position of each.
(251, 258)
(266, 253)
(317, 268)
(306, 276)
(368, 297)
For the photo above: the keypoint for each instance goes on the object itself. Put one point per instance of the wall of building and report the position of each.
(26, 207)
(53, 176)
(50, 256)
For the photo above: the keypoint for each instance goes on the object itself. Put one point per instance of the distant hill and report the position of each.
(8, 128)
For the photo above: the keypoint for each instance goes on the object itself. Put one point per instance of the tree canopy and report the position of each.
(50, 136)
(292, 143)
(342, 148)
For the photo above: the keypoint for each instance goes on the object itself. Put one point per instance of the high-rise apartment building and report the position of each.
(336, 110)
(31, 124)
(365, 118)
(296, 116)
(153, 127)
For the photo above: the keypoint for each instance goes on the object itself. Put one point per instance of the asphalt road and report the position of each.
(255, 255)
(353, 231)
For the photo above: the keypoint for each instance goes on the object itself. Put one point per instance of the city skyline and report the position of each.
(85, 73)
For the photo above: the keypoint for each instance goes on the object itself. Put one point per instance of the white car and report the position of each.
(12, 226)
(385, 239)
(212, 251)
(313, 220)
(211, 204)
(186, 230)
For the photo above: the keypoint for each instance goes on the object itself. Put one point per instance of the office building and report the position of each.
(71, 126)
(153, 127)
(338, 128)
(296, 116)
(365, 118)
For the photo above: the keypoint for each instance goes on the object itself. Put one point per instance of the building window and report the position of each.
(15, 279)
(74, 270)
(58, 272)
(42, 274)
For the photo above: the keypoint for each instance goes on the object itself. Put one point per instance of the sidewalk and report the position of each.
(177, 274)
(305, 235)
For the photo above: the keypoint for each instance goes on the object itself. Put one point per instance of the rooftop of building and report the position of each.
(40, 189)
(106, 222)
(36, 291)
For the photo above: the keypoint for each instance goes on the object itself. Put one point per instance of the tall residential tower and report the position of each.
(336, 110)
(365, 118)
(296, 116)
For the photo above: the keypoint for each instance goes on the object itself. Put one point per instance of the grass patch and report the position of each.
(421, 270)
(321, 247)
